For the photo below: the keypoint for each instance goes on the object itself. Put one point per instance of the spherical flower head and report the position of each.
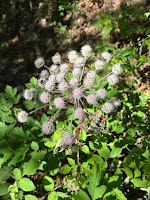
(88, 83)
(80, 62)
(76, 72)
(59, 102)
(54, 69)
(64, 68)
(91, 75)
(52, 78)
(41, 82)
(117, 69)
(48, 128)
(39, 62)
(22, 116)
(63, 86)
(56, 58)
(107, 107)
(73, 82)
(60, 77)
(44, 97)
(101, 94)
(86, 50)
(99, 65)
(107, 56)
(91, 99)
(79, 113)
(112, 79)
(49, 85)
(44, 73)
(116, 102)
(28, 94)
(77, 93)
(67, 139)
(72, 56)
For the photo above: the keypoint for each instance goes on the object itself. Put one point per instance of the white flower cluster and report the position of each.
(75, 84)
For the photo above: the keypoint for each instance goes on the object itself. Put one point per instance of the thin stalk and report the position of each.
(103, 77)
(9, 174)
(38, 109)
(46, 67)
(71, 121)
(100, 84)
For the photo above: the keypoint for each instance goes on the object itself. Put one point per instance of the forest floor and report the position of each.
(25, 35)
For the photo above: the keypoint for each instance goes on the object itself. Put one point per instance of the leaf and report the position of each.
(83, 135)
(112, 93)
(128, 172)
(146, 168)
(119, 194)
(44, 118)
(106, 30)
(33, 81)
(53, 196)
(30, 167)
(17, 173)
(100, 191)
(85, 149)
(9, 91)
(139, 183)
(131, 132)
(115, 152)
(48, 183)
(69, 111)
(137, 173)
(119, 129)
(19, 154)
(104, 152)
(3, 129)
(81, 195)
(71, 161)
(34, 146)
(65, 169)
(94, 181)
(62, 195)
(26, 184)
(30, 197)
(4, 189)
(29, 104)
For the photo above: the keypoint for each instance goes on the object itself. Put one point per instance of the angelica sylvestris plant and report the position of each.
(76, 84)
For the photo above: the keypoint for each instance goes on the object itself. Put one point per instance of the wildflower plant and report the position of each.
(77, 86)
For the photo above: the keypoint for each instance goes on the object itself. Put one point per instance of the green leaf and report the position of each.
(119, 194)
(19, 154)
(69, 111)
(26, 184)
(33, 81)
(83, 135)
(112, 93)
(85, 149)
(106, 30)
(115, 152)
(71, 161)
(81, 195)
(44, 118)
(128, 172)
(34, 146)
(139, 183)
(9, 91)
(48, 183)
(104, 152)
(94, 181)
(4, 189)
(131, 132)
(62, 195)
(137, 173)
(30, 197)
(30, 167)
(53, 196)
(65, 169)
(119, 129)
(99, 191)
(3, 129)
(17, 173)
(29, 104)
